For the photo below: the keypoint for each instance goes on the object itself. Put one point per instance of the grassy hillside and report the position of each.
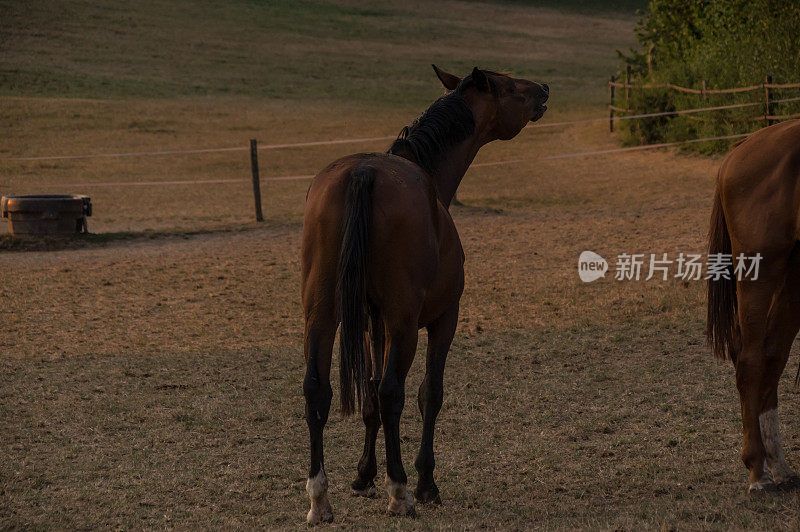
(376, 52)
(79, 76)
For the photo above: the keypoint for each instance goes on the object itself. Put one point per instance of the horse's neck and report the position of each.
(453, 166)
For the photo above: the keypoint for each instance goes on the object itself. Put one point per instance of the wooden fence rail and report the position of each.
(767, 86)
(706, 91)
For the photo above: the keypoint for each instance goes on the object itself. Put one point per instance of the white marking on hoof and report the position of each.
(317, 489)
(401, 502)
(773, 445)
(763, 485)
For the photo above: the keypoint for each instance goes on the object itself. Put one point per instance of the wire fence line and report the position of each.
(701, 109)
(202, 150)
(385, 138)
(176, 182)
(475, 165)
(665, 113)
(375, 139)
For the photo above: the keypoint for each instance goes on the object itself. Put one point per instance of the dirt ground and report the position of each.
(151, 377)
(157, 381)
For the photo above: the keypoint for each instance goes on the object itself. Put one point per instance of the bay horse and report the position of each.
(381, 255)
(753, 322)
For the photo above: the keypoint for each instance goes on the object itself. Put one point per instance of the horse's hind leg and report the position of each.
(391, 393)
(784, 322)
(430, 397)
(319, 337)
(364, 484)
(757, 367)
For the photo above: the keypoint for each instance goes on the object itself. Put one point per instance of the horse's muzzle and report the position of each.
(539, 112)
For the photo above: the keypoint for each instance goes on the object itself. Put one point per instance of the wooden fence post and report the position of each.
(767, 103)
(256, 180)
(627, 87)
(611, 105)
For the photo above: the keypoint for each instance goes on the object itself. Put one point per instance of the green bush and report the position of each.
(726, 43)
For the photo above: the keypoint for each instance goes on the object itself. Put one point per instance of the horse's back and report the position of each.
(403, 197)
(759, 183)
(403, 235)
(757, 158)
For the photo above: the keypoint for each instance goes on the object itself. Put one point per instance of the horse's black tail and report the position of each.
(352, 289)
(722, 324)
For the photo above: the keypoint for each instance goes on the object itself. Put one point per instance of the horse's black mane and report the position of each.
(444, 124)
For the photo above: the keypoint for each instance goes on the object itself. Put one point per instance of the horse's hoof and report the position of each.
(317, 489)
(427, 494)
(402, 508)
(364, 489)
(400, 500)
(761, 488)
(318, 515)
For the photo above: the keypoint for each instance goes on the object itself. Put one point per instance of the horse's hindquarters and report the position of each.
(759, 193)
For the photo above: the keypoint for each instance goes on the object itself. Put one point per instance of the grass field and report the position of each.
(155, 380)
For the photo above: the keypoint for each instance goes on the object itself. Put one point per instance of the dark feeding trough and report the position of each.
(46, 214)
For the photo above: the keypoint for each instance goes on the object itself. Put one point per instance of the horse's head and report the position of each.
(502, 105)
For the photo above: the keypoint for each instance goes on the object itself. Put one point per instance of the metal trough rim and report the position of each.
(21, 203)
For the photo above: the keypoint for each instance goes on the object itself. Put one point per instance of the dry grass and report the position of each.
(156, 382)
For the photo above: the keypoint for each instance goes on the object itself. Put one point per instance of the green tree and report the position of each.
(724, 43)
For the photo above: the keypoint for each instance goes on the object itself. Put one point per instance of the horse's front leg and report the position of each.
(430, 397)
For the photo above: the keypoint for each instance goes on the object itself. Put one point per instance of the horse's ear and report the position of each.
(480, 79)
(449, 81)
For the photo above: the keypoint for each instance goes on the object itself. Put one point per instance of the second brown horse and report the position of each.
(753, 321)
(380, 252)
